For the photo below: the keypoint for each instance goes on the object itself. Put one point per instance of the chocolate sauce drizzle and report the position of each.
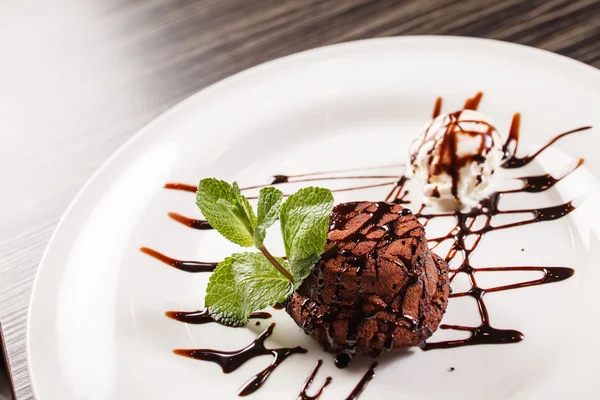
(362, 384)
(187, 266)
(229, 361)
(515, 162)
(191, 222)
(303, 394)
(181, 186)
(540, 183)
(471, 103)
(485, 333)
(358, 389)
(437, 109)
(203, 316)
(277, 180)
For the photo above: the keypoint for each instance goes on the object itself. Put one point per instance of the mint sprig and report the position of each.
(247, 282)
(244, 283)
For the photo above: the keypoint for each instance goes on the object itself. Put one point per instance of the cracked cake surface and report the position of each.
(377, 286)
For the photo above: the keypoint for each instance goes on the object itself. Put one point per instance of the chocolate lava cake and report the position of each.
(377, 286)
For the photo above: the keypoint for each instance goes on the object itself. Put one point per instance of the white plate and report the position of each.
(97, 327)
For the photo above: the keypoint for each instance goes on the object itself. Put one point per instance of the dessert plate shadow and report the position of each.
(97, 326)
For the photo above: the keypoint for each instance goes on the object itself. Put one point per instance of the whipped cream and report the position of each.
(456, 159)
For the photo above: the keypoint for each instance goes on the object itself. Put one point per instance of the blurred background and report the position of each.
(79, 77)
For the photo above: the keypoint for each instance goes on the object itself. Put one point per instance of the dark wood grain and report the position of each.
(79, 77)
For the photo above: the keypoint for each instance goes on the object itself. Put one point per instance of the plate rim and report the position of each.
(274, 63)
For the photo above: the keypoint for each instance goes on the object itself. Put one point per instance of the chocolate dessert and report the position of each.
(377, 286)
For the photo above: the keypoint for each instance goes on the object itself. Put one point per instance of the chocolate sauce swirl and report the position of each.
(229, 361)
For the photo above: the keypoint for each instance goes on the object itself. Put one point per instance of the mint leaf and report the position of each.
(269, 202)
(300, 269)
(244, 283)
(243, 204)
(223, 297)
(226, 210)
(304, 225)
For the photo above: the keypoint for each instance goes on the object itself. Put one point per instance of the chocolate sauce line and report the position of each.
(348, 189)
(279, 179)
(450, 147)
(541, 183)
(203, 316)
(473, 102)
(204, 225)
(515, 162)
(362, 384)
(229, 361)
(513, 137)
(483, 334)
(191, 222)
(181, 186)
(539, 215)
(551, 275)
(187, 266)
(307, 384)
(437, 109)
(396, 190)
(341, 170)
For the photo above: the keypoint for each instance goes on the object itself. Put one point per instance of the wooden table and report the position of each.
(79, 77)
